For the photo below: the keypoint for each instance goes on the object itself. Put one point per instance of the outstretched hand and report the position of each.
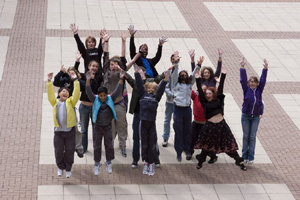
(123, 37)
(220, 52)
(176, 56)
(78, 56)
(89, 75)
(136, 68)
(131, 30)
(63, 69)
(197, 73)
(162, 40)
(192, 53)
(266, 64)
(200, 61)
(74, 28)
(243, 63)
(224, 69)
(50, 76)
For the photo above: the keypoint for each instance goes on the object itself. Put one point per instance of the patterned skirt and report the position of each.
(216, 137)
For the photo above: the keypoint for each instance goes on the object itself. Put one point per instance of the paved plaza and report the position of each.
(35, 39)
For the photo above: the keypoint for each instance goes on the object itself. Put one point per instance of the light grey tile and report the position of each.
(202, 189)
(129, 197)
(177, 189)
(180, 197)
(101, 189)
(152, 189)
(230, 196)
(252, 188)
(206, 197)
(154, 197)
(276, 188)
(76, 190)
(50, 190)
(256, 196)
(281, 197)
(102, 197)
(227, 188)
(127, 189)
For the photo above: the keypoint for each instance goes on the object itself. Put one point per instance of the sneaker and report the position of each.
(97, 169)
(145, 168)
(68, 174)
(151, 171)
(108, 167)
(213, 160)
(250, 162)
(79, 153)
(165, 143)
(157, 164)
(59, 172)
(134, 164)
(246, 162)
(188, 156)
(123, 152)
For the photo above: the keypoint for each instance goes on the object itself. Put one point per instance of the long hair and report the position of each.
(76, 72)
(211, 71)
(188, 80)
(214, 90)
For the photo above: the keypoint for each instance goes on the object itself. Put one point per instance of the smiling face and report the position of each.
(183, 76)
(206, 74)
(145, 51)
(64, 95)
(93, 67)
(102, 96)
(90, 42)
(253, 82)
(209, 95)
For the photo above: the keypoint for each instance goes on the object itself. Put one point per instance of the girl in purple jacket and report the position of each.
(252, 110)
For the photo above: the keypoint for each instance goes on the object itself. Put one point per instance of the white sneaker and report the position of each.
(68, 174)
(246, 162)
(151, 171)
(146, 168)
(108, 167)
(59, 172)
(97, 169)
(250, 162)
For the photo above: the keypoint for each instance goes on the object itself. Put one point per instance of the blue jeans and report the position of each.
(136, 137)
(167, 122)
(182, 119)
(250, 125)
(85, 115)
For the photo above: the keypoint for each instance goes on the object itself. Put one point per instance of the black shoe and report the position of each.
(134, 164)
(188, 156)
(213, 160)
(165, 143)
(79, 153)
(179, 158)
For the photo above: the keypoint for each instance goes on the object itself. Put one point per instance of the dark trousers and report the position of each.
(182, 118)
(148, 141)
(98, 133)
(196, 128)
(136, 137)
(233, 154)
(64, 149)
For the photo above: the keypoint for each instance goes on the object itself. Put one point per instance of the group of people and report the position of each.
(101, 88)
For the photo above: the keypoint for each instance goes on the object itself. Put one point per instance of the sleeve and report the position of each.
(263, 79)
(201, 94)
(130, 80)
(132, 48)
(174, 77)
(76, 93)
(139, 85)
(51, 94)
(157, 56)
(218, 70)
(193, 95)
(243, 79)
(80, 46)
(105, 62)
(100, 50)
(193, 66)
(124, 62)
(59, 81)
(221, 84)
(117, 92)
(160, 90)
(89, 93)
(82, 84)
(168, 91)
(76, 65)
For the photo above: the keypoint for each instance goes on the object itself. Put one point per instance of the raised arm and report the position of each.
(133, 61)
(118, 91)
(50, 90)
(76, 93)
(219, 66)
(80, 45)
(263, 77)
(161, 88)
(243, 75)
(222, 80)
(132, 48)
(59, 81)
(157, 56)
(139, 84)
(88, 89)
(77, 60)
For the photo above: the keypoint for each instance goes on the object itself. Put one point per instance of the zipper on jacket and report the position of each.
(254, 100)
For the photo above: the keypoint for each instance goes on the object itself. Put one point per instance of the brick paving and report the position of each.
(22, 86)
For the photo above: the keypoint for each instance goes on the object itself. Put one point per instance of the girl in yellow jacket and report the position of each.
(64, 124)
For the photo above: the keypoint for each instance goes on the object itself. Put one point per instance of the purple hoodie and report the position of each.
(253, 103)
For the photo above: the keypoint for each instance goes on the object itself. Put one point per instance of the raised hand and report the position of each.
(224, 69)
(105, 36)
(89, 75)
(220, 52)
(74, 28)
(176, 56)
(197, 73)
(50, 76)
(123, 37)
(63, 69)
(78, 56)
(243, 62)
(200, 61)
(131, 30)
(217, 79)
(136, 68)
(266, 64)
(192, 53)
(162, 40)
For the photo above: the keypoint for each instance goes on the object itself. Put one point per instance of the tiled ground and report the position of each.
(260, 16)
(36, 39)
(164, 192)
